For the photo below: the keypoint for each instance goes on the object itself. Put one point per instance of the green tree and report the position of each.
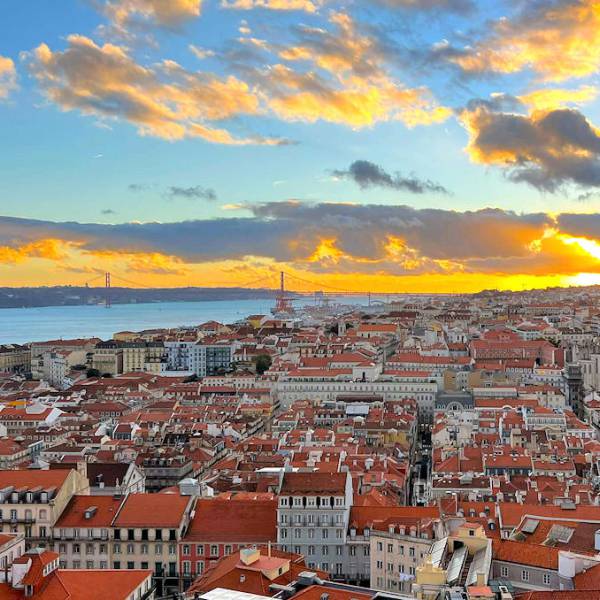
(262, 363)
(92, 373)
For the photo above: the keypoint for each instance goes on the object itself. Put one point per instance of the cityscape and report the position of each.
(300, 300)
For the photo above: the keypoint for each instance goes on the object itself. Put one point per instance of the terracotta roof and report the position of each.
(315, 482)
(544, 557)
(152, 510)
(74, 515)
(229, 519)
(27, 478)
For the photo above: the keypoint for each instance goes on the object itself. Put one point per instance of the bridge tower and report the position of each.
(107, 290)
(283, 303)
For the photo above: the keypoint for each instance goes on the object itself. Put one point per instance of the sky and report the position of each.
(384, 145)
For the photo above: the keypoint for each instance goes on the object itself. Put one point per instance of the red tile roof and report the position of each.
(152, 510)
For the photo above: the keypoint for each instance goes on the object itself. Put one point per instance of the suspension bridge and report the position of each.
(279, 282)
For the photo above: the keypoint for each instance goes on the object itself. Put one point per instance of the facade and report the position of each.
(326, 388)
(224, 525)
(313, 516)
(15, 358)
(32, 501)
(108, 358)
(146, 532)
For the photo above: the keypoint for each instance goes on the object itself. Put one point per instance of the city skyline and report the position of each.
(384, 145)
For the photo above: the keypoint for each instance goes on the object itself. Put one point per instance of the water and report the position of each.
(21, 325)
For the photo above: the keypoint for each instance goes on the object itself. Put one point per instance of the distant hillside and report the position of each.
(72, 296)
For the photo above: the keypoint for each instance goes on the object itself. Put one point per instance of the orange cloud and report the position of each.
(50, 249)
(557, 40)
(164, 100)
(8, 77)
(167, 13)
(310, 6)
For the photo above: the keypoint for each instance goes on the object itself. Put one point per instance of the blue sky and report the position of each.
(108, 116)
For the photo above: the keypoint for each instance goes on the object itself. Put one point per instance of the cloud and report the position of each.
(325, 238)
(162, 100)
(48, 248)
(458, 6)
(558, 39)
(545, 149)
(200, 53)
(138, 187)
(163, 13)
(367, 174)
(310, 6)
(8, 77)
(340, 75)
(196, 192)
(365, 238)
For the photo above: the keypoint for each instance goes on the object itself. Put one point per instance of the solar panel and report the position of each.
(456, 564)
(561, 534)
(530, 526)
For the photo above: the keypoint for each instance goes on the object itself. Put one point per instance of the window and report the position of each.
(411, 552)
(380, 564)
(227, 550)
(503, 571)
(158, 549)
(200, 549)
(390, 548)
(325, 534)
(76, 548)
(144, 548)
(546, 578)
(214, 550)
(524, 575)
(130, 549)
(297, 533)
(117, 548)
(116, 564)
(185, 550)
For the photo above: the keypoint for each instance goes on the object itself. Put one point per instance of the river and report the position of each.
(21, 325)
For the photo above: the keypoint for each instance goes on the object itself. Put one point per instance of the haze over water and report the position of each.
(21, 325)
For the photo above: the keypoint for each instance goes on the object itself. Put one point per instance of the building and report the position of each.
(223, 525)
(15, 358)
(37, 575)
(146, 532)
(107, 358)
(82, 533)
(313, 516)
(32, 501)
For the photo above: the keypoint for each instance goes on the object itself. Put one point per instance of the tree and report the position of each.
(262, 363)
(92, 373)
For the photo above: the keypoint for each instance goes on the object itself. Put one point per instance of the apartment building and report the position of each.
(223, 525)
(327, 386)
(82, 533)
(32, 501)
(313, 517)
(199, 358)
(15, 358)
(108, 358)
(139, 356)
(146, 532)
